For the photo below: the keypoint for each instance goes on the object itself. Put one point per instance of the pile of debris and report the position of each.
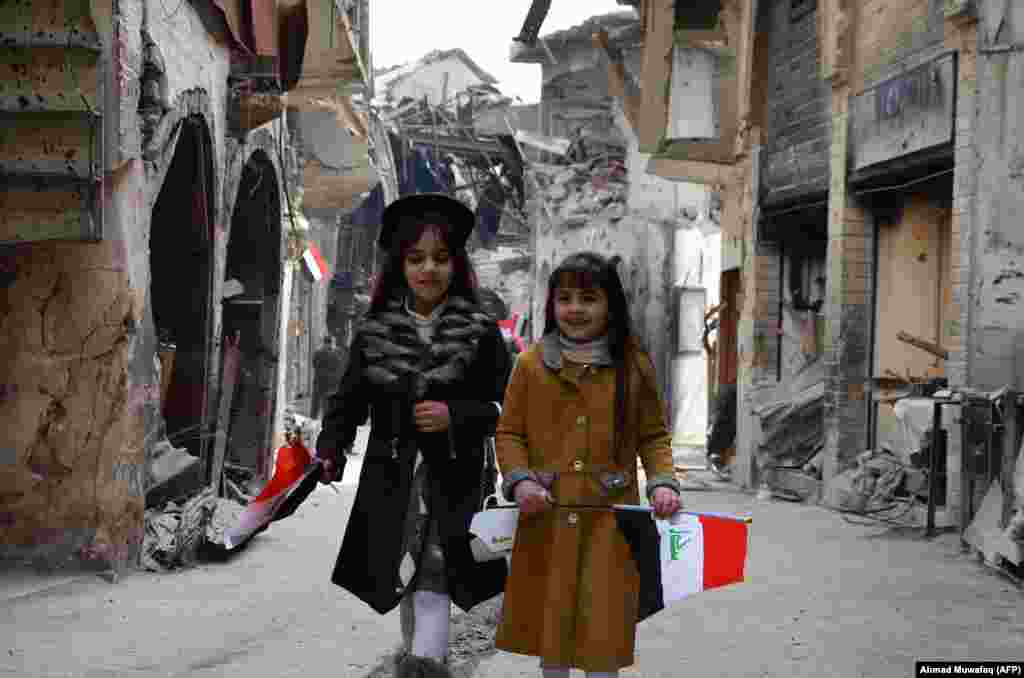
(575, 194)
(871, 487)
(793, 437)
(175, 531)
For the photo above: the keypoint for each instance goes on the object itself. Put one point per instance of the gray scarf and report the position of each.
(592, 352)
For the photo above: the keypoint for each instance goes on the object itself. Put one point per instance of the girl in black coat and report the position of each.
(430, 368)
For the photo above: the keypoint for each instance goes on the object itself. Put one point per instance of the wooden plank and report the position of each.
(29, 216)
(49, 138)
(229, 367)
(694, 171)
(655, 71)
(924, 345)
(909, 281)
(49, 78)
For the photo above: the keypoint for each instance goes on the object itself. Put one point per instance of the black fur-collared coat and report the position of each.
(390, 369)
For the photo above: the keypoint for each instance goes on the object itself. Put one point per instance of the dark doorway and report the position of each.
(252, 291)
(181, 265)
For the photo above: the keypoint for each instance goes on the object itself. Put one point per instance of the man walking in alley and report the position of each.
(328, 367)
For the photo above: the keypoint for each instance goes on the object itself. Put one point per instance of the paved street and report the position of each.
(823, 598)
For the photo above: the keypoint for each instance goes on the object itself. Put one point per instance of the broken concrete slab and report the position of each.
(171, 474)
(792, 481)
(986, 536)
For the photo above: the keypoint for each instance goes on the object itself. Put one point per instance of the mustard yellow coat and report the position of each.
(572, 594)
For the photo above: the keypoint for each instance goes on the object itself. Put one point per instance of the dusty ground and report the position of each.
(822, 598)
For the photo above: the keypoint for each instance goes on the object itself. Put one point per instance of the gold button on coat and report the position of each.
(577, 465)
(573, 518)
(581, 420)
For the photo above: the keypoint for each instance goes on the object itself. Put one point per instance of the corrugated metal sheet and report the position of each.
(51, 132)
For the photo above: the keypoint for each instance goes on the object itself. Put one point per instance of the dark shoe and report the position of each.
(410, 666)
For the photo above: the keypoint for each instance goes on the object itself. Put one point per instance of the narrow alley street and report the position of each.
(822, 598)
(771, 248)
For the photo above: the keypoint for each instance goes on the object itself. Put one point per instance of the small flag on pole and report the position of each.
(315, 263)
(296, 474)
(676, 558)
(690, 553)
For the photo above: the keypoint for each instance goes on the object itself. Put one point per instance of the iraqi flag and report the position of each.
(687, 554)
(315, 263)
(676, 558)
(296, 473)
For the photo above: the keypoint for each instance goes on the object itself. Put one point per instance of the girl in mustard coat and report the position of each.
(581, 407)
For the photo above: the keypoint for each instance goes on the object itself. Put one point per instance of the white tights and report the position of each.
(563, 672)
(426, 618)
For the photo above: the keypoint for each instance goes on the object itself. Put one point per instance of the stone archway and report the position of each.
(251, 310)
(182, 261)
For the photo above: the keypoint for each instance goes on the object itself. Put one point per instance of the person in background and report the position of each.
(430, 367)
(328, 367)
(581, 408)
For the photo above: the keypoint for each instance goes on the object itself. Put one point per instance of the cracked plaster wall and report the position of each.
(996, 296)
(77, 373)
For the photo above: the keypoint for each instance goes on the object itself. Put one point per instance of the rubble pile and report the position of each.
(176, 531)
(869, 487)
(793, 431)
(575, 194)
(793, 434)
(224, 516)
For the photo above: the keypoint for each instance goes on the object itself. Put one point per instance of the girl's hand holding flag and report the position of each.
(532, 497)
(665, 502)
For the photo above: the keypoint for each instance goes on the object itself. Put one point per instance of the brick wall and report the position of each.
(892, 33)
(796, 146)
(847, 305)
(765, 306)
(965, 40)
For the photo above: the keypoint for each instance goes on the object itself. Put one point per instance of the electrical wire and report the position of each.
(903, 186)
(866, 191)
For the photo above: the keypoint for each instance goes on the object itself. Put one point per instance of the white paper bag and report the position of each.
(495, 531)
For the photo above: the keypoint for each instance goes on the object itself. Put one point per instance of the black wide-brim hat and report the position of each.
(459, 218)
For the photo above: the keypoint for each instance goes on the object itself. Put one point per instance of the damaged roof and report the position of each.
(623, 27)
(387, 78)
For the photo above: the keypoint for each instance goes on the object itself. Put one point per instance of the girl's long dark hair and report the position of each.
(588, 270)
(391, 283)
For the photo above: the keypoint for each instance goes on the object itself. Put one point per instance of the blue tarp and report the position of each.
(369, 212)
(423, 173)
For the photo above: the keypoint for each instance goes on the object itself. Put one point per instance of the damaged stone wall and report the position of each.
(584, 207)
(71, 484)
(691, 215)
(78, 379)
(995, 319)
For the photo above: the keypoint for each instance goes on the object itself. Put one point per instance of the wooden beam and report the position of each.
(710, 173)
(740, 23)
(656, 70)
(620, 83)
(923, 344)
(455, 145)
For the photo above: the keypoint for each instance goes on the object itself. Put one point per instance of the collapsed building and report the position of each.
(440, 127)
